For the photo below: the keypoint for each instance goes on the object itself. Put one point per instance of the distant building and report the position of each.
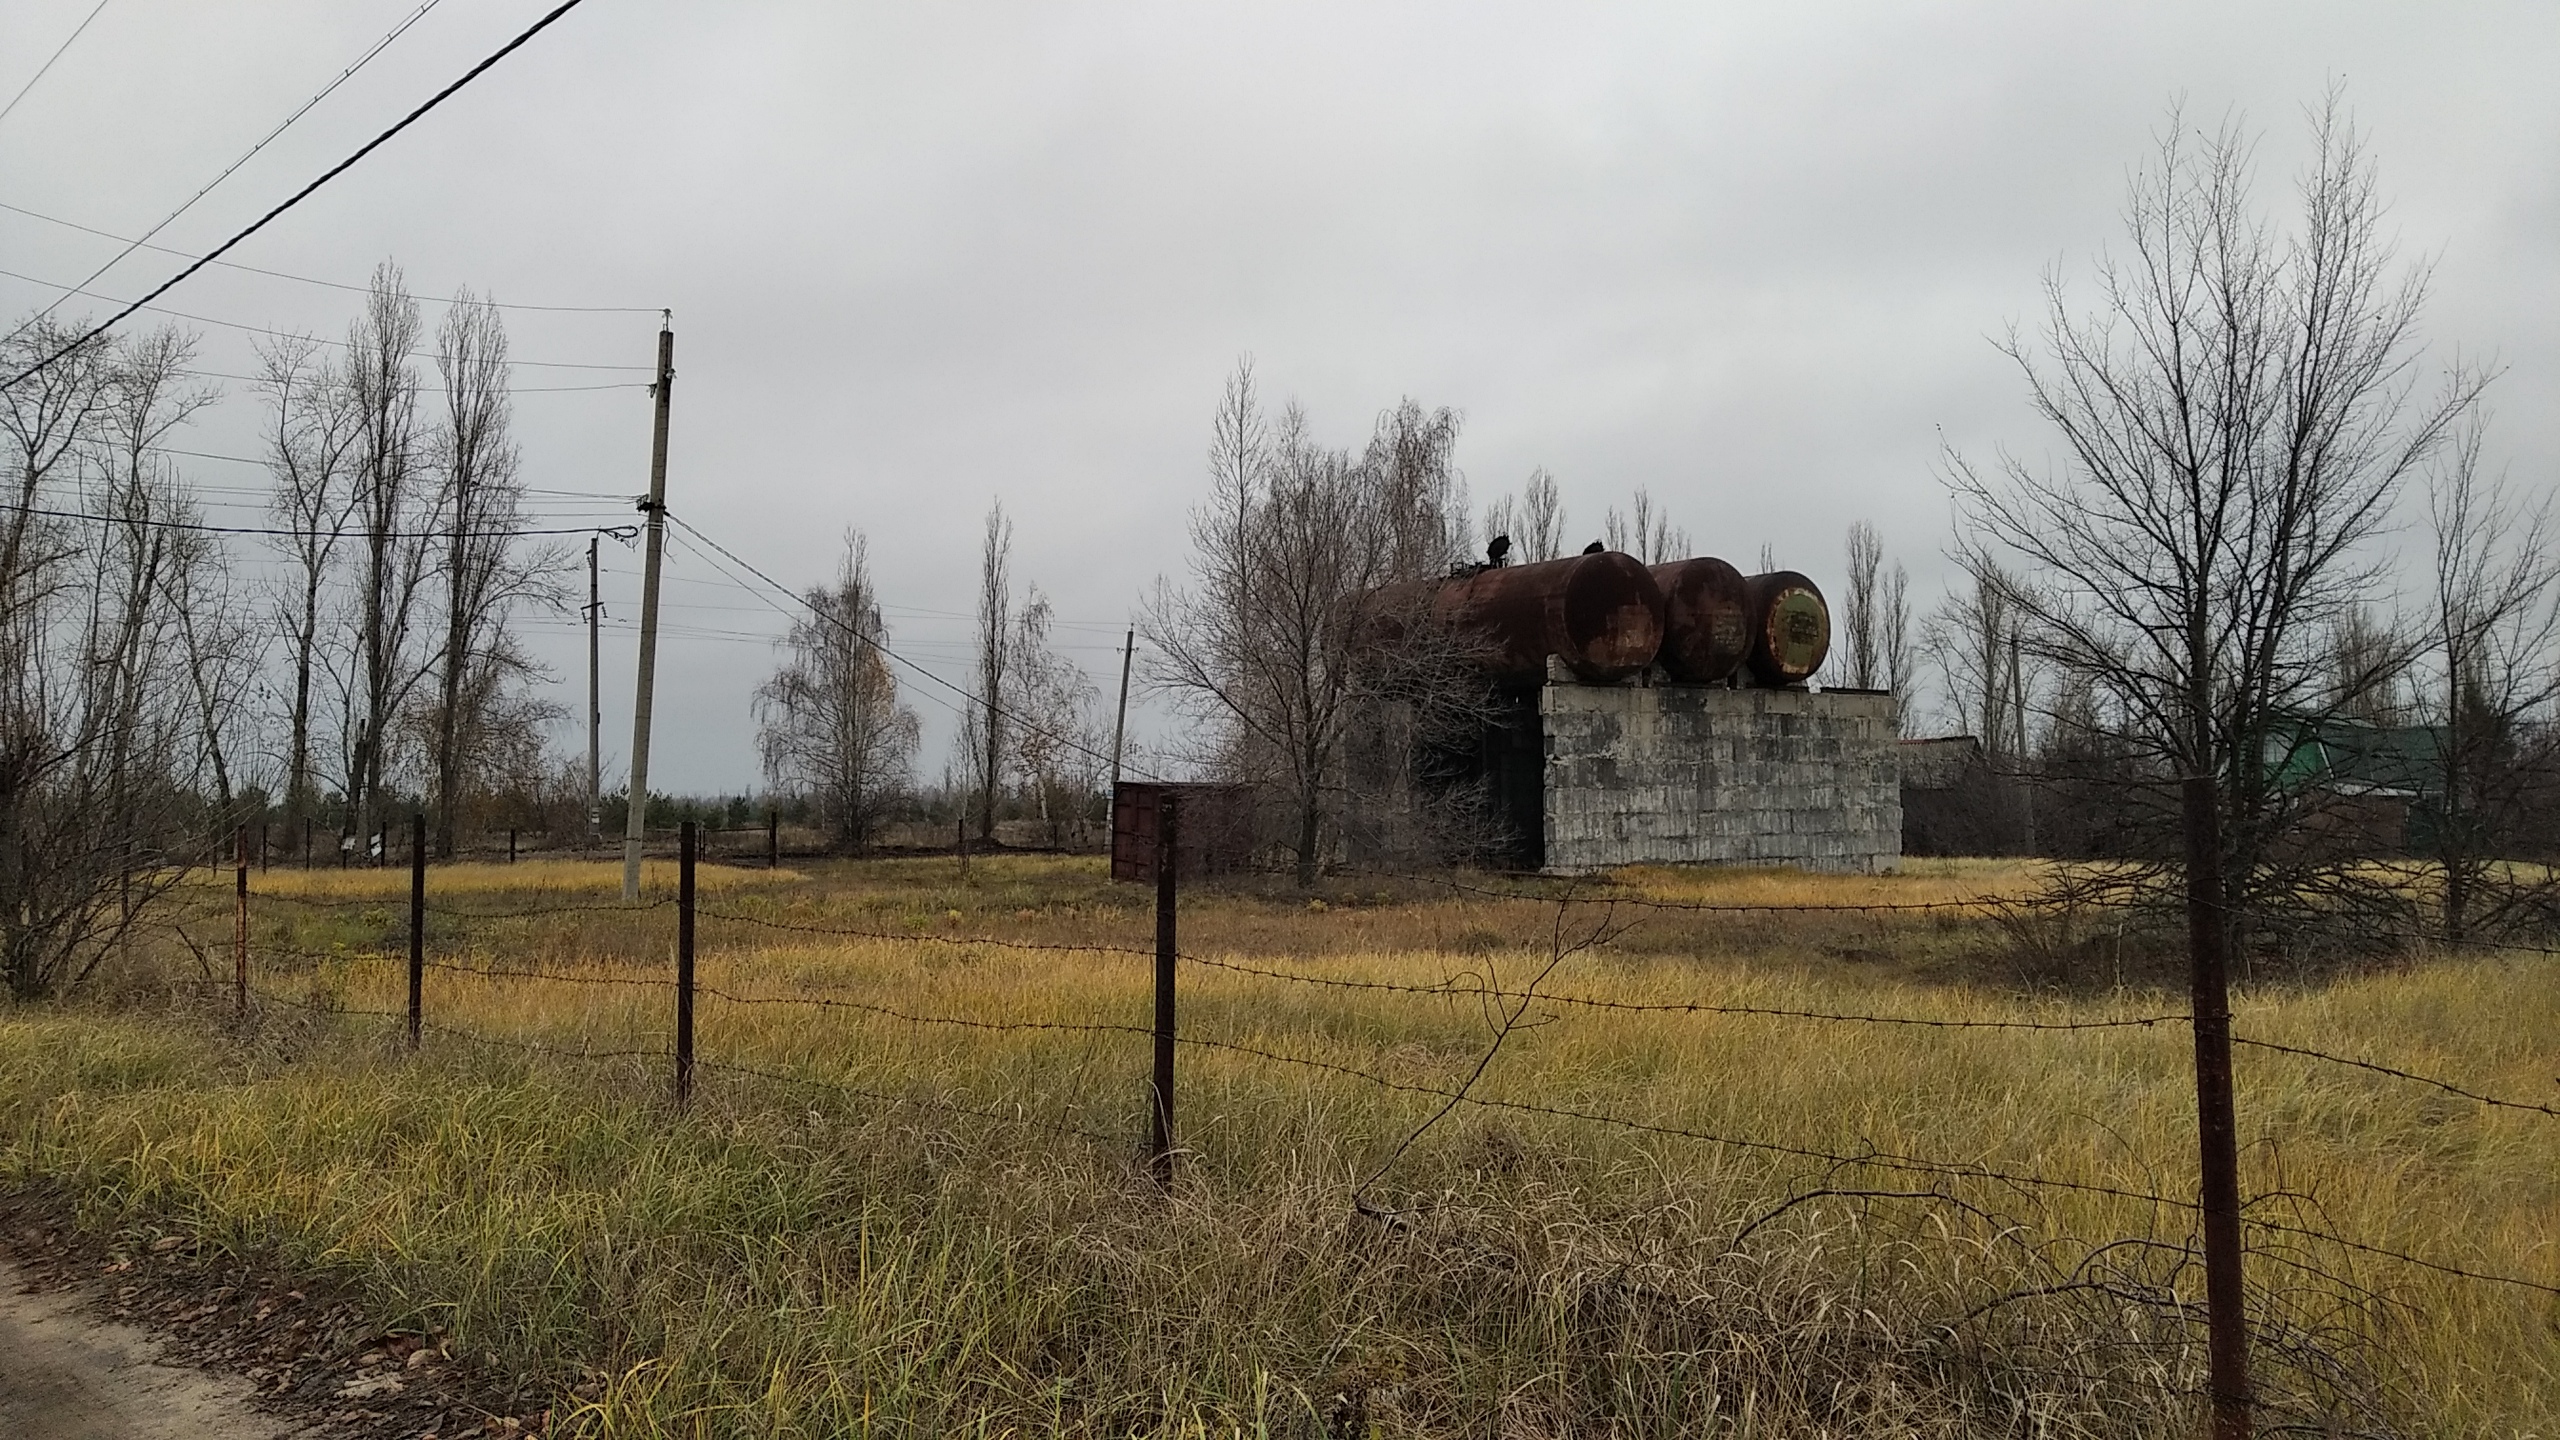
(2378, 789)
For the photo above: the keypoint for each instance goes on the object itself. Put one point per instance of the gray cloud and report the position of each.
(921, 258)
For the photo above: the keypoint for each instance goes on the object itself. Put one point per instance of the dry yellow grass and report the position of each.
(869, 1251)
(583, 879)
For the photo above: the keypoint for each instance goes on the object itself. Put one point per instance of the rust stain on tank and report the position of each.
(1706, 619)
(1602, 615)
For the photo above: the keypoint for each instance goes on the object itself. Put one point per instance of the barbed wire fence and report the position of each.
(2288, 1230)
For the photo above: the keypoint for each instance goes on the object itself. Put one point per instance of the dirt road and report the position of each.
(65, 1374)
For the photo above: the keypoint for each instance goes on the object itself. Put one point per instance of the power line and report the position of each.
(281, 335)
(285, 532)
(332, 173)
(313, 279)
(304, 109)
(48, 64)
(510, 390)
(962, 691)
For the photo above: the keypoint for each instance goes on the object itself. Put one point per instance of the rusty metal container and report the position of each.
(1790, 627)
(1212, 831)
(1706, 619)
(1599, 614)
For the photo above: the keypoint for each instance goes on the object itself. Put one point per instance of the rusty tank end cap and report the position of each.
(1606, 621)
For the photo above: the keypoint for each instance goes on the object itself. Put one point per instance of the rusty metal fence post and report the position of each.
(773, 837)
(2217, 1126)
(1160, 1139)
(684, 962)
(240, 920)
(417, 924)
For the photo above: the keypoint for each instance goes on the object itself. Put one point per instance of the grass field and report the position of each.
(901, 1227)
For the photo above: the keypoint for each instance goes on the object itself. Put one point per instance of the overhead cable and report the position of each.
(315, 339)
(48, 64)
(304, 109)
(332, 173)
(314, 279)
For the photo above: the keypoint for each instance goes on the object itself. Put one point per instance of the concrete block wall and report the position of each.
(1700, 774)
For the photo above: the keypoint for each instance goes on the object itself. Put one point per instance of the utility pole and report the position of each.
(1120, 727)
(636, 808)
(595, 704)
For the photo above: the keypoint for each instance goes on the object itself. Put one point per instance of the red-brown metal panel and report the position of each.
(1214, 834)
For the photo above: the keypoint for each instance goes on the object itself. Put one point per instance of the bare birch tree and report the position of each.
(1057, 744)
(829, 725)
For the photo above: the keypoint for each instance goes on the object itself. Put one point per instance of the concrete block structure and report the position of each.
(1708, 774)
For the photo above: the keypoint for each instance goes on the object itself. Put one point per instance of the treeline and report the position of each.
(348, 656)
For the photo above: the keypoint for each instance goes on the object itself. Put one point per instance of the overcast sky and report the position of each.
(925, 257)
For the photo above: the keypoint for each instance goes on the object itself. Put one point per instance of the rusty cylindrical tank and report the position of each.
(1790, 627)
(1706, 619)
(1600, 614)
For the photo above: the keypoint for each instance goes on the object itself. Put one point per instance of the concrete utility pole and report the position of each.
(636, 808)
(595, 704)
(1120, 727)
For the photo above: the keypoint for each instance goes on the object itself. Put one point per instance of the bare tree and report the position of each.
(1861, 624)
(1056, 742)
(829, 725)
(995, 656)
(2493, 635)
(1541, 518)
(1645, 531)
(2369, 670)
(95, 723)
(1895, 628)
(1968, 638)
(479, 506)
(2237, 417)
(223, 645)
(310, 434)
(1285, 640)
(390, 518)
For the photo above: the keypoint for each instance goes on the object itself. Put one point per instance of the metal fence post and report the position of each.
(684, 963)
(240, 921)
(1161, 1090)
(2217, 1126)
(773, 837)
(511, 844)
(417, 924)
